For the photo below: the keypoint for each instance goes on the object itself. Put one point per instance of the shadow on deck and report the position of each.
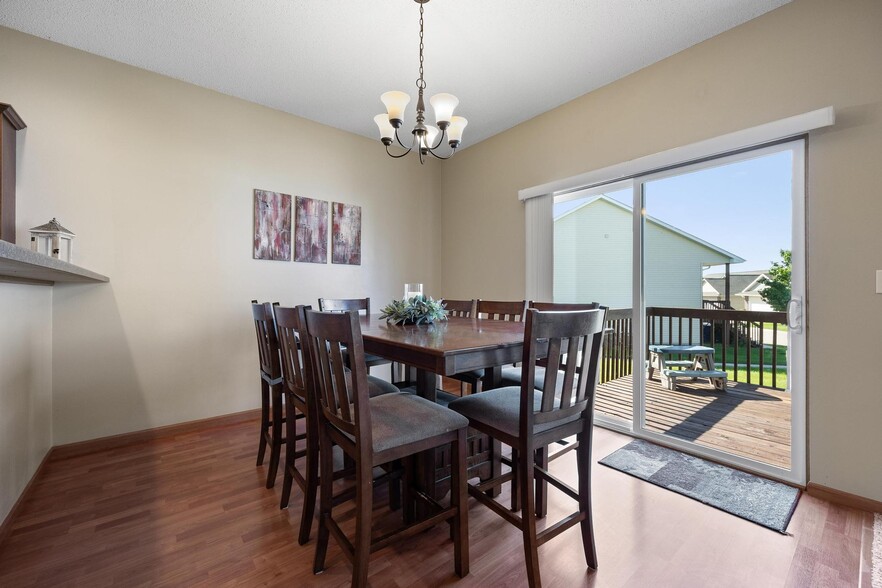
(745, 420)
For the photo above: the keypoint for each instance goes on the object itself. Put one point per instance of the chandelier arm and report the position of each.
(436, 156)
(390, 154)
(441, 138)
(412, 141)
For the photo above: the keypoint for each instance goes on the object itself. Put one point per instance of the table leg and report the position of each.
(492, 379)
(425, 386)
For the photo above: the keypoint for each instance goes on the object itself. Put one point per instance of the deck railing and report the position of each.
(748, 343)
(617, 354)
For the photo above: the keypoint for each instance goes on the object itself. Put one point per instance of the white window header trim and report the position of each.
(754, 136)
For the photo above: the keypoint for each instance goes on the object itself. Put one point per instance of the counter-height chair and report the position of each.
(271, 411)
(493, 310)
(375, 431)
(362, 305)
(528, 419)
(301, 400)
(511, 376)
(461, 308)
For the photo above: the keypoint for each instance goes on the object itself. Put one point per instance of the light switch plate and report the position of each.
(878, 281)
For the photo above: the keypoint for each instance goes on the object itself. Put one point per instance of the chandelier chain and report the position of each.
(421, 82)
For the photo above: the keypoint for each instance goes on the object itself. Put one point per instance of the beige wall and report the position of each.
(25, 386)
(806, 55)
(156, 176)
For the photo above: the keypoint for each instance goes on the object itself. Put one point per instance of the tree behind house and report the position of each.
(777, 287)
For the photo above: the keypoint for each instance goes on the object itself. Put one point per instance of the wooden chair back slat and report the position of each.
(345, 305)
(341, 387)
(267, 342)
(571, 369)
(296, 360)
(461, 308)
(502, 311)
(553, 358)
(344, 401)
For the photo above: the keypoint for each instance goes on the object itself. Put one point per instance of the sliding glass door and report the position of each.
(719, 256)
(702, 267)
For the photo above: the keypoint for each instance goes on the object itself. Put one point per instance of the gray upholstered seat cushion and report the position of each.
(376, 386)
(444, 398)
(511, 376)
(469, 376)
(369, 358)
(401, 419)
(501, 408)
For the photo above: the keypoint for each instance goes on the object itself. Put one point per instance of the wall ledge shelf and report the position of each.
(23, 266)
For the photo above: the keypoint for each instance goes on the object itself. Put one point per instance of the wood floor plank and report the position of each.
(192, 511)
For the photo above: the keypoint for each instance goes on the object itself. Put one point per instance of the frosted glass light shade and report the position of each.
(443, 105)
(386, 130)
(454, 131)
(395, 102)
(430, 137)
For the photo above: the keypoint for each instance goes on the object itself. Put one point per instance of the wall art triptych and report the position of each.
(274, 218)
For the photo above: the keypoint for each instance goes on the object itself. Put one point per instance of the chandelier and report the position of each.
(426, 138)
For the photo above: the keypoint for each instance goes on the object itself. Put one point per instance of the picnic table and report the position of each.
(700, 364)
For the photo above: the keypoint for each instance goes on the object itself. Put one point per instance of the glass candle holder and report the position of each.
(411, 290)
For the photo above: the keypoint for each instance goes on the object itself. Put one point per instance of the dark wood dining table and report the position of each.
(446, 348)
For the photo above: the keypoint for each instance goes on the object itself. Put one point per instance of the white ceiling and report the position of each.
(329, 60)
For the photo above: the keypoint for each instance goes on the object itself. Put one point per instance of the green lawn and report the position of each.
(742, 357)
(753, 360)
(780, 381)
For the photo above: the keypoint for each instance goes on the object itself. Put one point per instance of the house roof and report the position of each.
(603, 198)
(740, 282)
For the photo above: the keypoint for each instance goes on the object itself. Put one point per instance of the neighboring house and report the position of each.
(744, 289)
(592, 258)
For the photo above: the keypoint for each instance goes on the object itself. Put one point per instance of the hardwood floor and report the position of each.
(745, 420)
(192, 510)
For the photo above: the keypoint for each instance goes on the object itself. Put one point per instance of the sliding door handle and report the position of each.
(794, 314)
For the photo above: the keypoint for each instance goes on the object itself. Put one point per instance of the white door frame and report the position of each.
(539, 238)
(796, 377)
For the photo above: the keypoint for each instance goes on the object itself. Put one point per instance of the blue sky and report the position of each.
(741, 207)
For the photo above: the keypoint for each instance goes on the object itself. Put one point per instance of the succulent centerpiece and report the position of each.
(416, 310)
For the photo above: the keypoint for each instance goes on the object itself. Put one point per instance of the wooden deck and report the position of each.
(745, 420)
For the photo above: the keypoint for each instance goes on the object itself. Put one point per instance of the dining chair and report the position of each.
(527, 419)
(492, 310)
(360, 305)
(461, 308)
(376, 431)
(271, 411)
(301, 400)
(511, 376)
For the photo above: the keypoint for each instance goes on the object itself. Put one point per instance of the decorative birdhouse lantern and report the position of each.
(54, 240)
